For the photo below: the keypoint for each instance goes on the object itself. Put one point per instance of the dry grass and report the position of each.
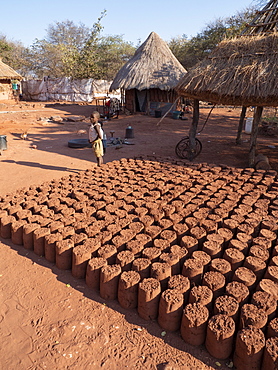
(241, 71)
(152, 66)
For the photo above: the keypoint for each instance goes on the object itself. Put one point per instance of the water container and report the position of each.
(3, 142)
(129, 133)
(176, 114)
(157, 113)
(248, 125)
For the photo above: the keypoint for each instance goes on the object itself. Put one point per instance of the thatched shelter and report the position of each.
(148, 79)
(7, 76)
(241, 71)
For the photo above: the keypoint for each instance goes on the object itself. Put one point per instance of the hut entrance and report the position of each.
(141, 100)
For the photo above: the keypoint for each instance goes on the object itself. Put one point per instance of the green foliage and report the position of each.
(190, 52)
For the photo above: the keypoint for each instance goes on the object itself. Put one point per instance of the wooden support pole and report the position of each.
(254, 135)
(194, 125)
(240, 125)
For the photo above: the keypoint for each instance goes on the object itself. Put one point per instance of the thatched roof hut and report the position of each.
(7, 73)
(150, 75)
(241, 71)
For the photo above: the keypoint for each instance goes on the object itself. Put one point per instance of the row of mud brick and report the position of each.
(193, 246)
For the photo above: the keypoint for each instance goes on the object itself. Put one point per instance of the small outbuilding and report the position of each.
(148, 79)
(9, 82)
(239, 72)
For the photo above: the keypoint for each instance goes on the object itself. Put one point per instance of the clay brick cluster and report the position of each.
(193, 246)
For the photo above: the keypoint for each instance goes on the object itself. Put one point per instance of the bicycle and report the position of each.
(183, 150)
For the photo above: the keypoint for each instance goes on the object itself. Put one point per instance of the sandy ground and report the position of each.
(48, 319)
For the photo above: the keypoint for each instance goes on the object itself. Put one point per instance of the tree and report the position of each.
(113, 52)
(190, 52)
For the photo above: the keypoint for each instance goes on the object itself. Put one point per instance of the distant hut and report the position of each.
(241, 71)
(149, 77)
(9, 81)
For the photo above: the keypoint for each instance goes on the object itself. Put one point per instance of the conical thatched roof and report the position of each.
(7, 73)
(242, 71)
(265, 20)
(152, 66)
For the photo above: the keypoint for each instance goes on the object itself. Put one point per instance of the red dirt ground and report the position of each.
(48, 319)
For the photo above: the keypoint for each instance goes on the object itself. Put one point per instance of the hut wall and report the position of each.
(154, 96)
(6, 92)
(129, 100)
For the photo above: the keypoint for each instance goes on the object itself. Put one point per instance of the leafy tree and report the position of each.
(189, 52)
(113, 52)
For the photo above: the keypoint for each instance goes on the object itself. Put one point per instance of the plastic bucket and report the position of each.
(129, 133)
(248, 125)
(157, 113)
(176, 114)
(3, 142)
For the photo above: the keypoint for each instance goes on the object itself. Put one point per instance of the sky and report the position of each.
(27, 20)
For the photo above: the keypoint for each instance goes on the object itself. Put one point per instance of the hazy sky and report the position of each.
(26, 20)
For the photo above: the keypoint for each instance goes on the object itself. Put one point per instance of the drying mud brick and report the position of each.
(6, 226)
(80, 258)
(151, 253)
(39, 240)
(215, 281)
(128, 289)
(162, 272)
(143, 267)
(193, 269)
(270, 356)
(249, 349)
(125, 260)
(245, 276)
(109, 280)
(108, 252)
(239, 291)
(172, 260)
(182, 252)
(190, 243)
(213, 249)
(194, 324)
(272, 328)
(266, 302)
(17, 232)
(259, 251)
(50, 246)
(269, 286)
(222, 266)
(63, 257)
(203, 257)
(220, 336)
(149, 292)
(272, 273)
(181, 284)
(251, 315)
(93, 272)
(226, 305)
(239, 245)
(170, 310)
(201, 294)
(234, 257)
(28, 239)
(255, 264)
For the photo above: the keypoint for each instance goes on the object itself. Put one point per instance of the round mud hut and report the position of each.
(148, 80)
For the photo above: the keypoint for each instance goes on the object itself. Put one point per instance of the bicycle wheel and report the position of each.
(183, 149)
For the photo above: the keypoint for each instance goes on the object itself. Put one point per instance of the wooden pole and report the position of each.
(240, 125)
(254, 135)
(194, 125)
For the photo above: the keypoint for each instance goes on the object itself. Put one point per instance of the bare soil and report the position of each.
(48, 319)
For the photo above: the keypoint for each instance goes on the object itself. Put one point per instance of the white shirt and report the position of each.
(93, 134)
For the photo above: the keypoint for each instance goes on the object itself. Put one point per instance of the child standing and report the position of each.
(96, 137)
